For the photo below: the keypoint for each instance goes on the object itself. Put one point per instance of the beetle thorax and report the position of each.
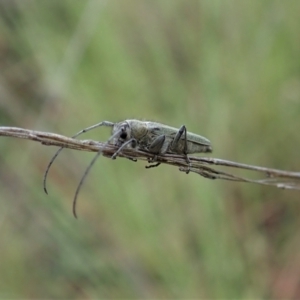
(138, 129)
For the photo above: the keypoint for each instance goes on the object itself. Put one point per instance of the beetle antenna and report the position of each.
(103, 123)
(88, 170)
(82, 180)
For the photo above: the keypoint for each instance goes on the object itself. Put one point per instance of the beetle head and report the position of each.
(121, 133)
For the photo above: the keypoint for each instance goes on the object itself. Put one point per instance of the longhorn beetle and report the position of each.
(148, 136)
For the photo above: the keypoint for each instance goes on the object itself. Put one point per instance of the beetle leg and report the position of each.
(152, 160)
(157, 146)
(180, 132)
(152, 166)
(131, 141)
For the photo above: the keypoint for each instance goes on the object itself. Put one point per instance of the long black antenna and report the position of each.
(103, 123)
(89, 168)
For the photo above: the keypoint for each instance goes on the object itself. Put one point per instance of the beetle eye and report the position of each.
(123, 135)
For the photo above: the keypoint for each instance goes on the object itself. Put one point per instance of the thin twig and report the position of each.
(199, 165)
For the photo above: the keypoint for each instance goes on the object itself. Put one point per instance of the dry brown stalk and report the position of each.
(199, 165)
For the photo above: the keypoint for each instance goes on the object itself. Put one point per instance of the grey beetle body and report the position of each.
(159, 138)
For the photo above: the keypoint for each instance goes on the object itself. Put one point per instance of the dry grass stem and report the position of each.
(199, 165)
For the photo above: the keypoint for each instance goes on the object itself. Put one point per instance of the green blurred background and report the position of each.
(228, 70)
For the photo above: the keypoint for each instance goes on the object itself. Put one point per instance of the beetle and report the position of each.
(158, 138)
(153, 137)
